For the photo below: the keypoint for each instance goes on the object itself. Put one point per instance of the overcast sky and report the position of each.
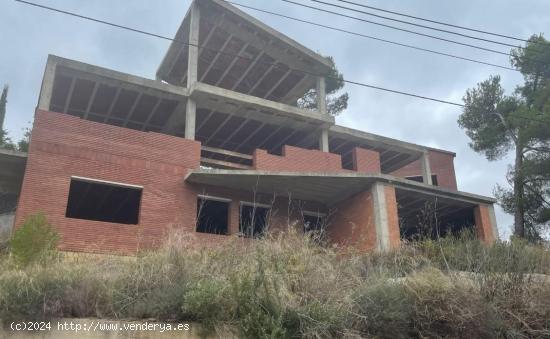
(28, 35)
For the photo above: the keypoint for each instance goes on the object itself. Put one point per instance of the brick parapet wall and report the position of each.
(441, 164)
(298, 159)
(307, 160)
(366, 161)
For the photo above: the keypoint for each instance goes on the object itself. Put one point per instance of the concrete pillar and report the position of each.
(426, 169)
(321, 95)
(47, 86)
(193, 59)
(323, 140)
(485, 222)
(385, 217)
(192, 70)
(190, 117)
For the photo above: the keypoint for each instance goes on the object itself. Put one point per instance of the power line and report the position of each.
(415, 24)
(247, 58)
(231, 54)
(399, 29)
(434, 21)
(372, 37)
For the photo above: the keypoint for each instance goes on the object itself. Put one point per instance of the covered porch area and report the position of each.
(367, 211)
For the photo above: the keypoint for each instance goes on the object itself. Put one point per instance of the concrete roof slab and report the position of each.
(327, 188)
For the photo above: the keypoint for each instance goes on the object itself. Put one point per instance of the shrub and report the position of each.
(286, 286)
(35, 240)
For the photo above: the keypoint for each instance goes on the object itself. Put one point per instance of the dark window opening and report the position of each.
(253, 221)
(419, 178)
(426, 223)
(313, 223)
(98, 201)
(212, 216)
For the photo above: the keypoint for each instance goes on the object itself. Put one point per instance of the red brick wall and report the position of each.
(441, 164)
(63, 146)
(298, 159)
(366, 161)
(353, 223)
(484, 227)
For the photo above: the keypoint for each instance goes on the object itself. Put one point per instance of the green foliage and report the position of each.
(285, 286)
(23, 144)
(3, 103)
(34, 241)
(334, 83)
(498, 124)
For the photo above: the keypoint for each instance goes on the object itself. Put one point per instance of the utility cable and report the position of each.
(247, 58)
(415, 24)
(371, 37)
(404, 30)
(434, 21)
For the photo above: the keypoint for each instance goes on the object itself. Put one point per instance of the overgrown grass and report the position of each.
(286, 286)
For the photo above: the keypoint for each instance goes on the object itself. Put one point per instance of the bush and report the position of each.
(34, 241)
(286, 286)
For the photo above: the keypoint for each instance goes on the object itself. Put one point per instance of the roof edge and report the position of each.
(377, 177)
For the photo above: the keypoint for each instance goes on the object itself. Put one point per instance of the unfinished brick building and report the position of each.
(216, 145)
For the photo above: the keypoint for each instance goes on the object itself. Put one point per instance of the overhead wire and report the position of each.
(371, 37)
(435, 21)
(406, 30)
(415, 24)
(135, 30)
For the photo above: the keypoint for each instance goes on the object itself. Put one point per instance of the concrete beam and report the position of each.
(190, 119)
(193, 59)
(100, 74)
(426, 169)
(327, 187)
(323, 140)
(321, 95)
(210, 94)
(46, 89)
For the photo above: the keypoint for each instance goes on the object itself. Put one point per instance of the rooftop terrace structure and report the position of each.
(216, 145)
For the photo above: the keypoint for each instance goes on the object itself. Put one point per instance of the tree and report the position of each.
(5, 141)
(3, 102)
(23, 144)
(499, 124)
(335, 103)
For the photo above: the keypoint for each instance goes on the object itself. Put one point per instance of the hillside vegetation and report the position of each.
(287, 286)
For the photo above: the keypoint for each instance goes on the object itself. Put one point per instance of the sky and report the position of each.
(29, 34)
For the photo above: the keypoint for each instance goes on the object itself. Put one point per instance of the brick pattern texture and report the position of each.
(63, 146)
(484, 227)
(366, 161)
(353, 224)
(298, 159)
(441, 164)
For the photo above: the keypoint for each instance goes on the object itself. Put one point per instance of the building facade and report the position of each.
(218, 145)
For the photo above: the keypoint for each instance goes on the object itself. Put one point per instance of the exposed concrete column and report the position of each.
(426, 168)
(192, 70)
(321, 95)
(47, 86)
(190, 117)
(193, 59)
(323, 140)
(385, 217)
